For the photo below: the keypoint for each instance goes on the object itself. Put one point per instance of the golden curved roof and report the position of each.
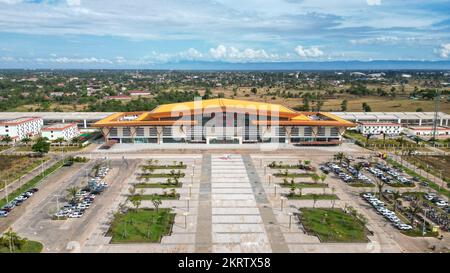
(168, 114)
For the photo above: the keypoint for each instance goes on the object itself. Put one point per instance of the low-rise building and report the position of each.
(21, 128)
(61, 130)
(137, 93)
(378, 128)
(441, 132)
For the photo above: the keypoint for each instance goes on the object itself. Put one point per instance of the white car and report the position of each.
(75, 214)
(404, 227)
(441, 203)
(3, 213)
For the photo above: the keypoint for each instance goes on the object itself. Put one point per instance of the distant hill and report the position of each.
(262, 66)
(332, 65)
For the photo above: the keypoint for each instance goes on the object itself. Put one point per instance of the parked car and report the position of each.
(3, 213)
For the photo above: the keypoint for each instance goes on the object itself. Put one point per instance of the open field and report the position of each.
(435, 164)
(14, 166)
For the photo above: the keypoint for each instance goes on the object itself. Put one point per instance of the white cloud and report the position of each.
(66, 60)
(74, 3)
(308, 52)
(232, 53)
(6, 59)
(374, 2)
(10, 1)
(444, 51)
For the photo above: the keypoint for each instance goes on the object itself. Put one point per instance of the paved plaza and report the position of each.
(229, 202)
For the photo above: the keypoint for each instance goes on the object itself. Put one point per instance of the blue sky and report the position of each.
(140, 33)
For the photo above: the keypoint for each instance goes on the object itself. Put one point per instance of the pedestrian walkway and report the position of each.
(237, 225)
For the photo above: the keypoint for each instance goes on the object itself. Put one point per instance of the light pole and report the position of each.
(275, 190)
(185, 214)
(193, 168)
(190, 190)
(192, 178)
(265, 170)
(270, 179)
(187, 202)
(6, 191)
(290, 219)
(283, 199)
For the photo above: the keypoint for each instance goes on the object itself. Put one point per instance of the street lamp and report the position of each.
(185, 214)
(275, 189)
(190, 190)
(192, 178)
(283, 199)
(187, 202)
(270, 179)
(290, 219)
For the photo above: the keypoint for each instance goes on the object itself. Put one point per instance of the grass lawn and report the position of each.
(292, 175)
(4, 147)
(32, 183)
(28, 247)
(304, 185)
(141, 226)
(14, 166)
(333, 225)
(165, 167)
(361, 185)
(312, 196)
(157, 185)
(52, 148)
(417, 232)
(150, 196)
(161, 175)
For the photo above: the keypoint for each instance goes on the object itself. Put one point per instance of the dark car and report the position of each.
(68, 164)
(424, 184)
(33, 190)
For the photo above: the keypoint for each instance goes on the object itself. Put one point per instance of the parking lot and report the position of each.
(38, 223)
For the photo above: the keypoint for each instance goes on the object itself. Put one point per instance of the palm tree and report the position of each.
(315, 197)
(358, 168)
(26, 140)
(396, 197)
(339, 156)
(292, 190)
(315, 177)
(72, 193)
(59, 140)
(413, 209)
(136, 201)
(323, 177)
(156, 201)
(380, 185)
(7, 139)
(368, 138)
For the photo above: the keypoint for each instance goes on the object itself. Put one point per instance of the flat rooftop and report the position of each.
(16, 121)
(58, 126)
(389, 115)
(94, 116)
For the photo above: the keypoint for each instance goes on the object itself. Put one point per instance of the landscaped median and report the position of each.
(433, 185)
(33, 182)
(141, 226)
